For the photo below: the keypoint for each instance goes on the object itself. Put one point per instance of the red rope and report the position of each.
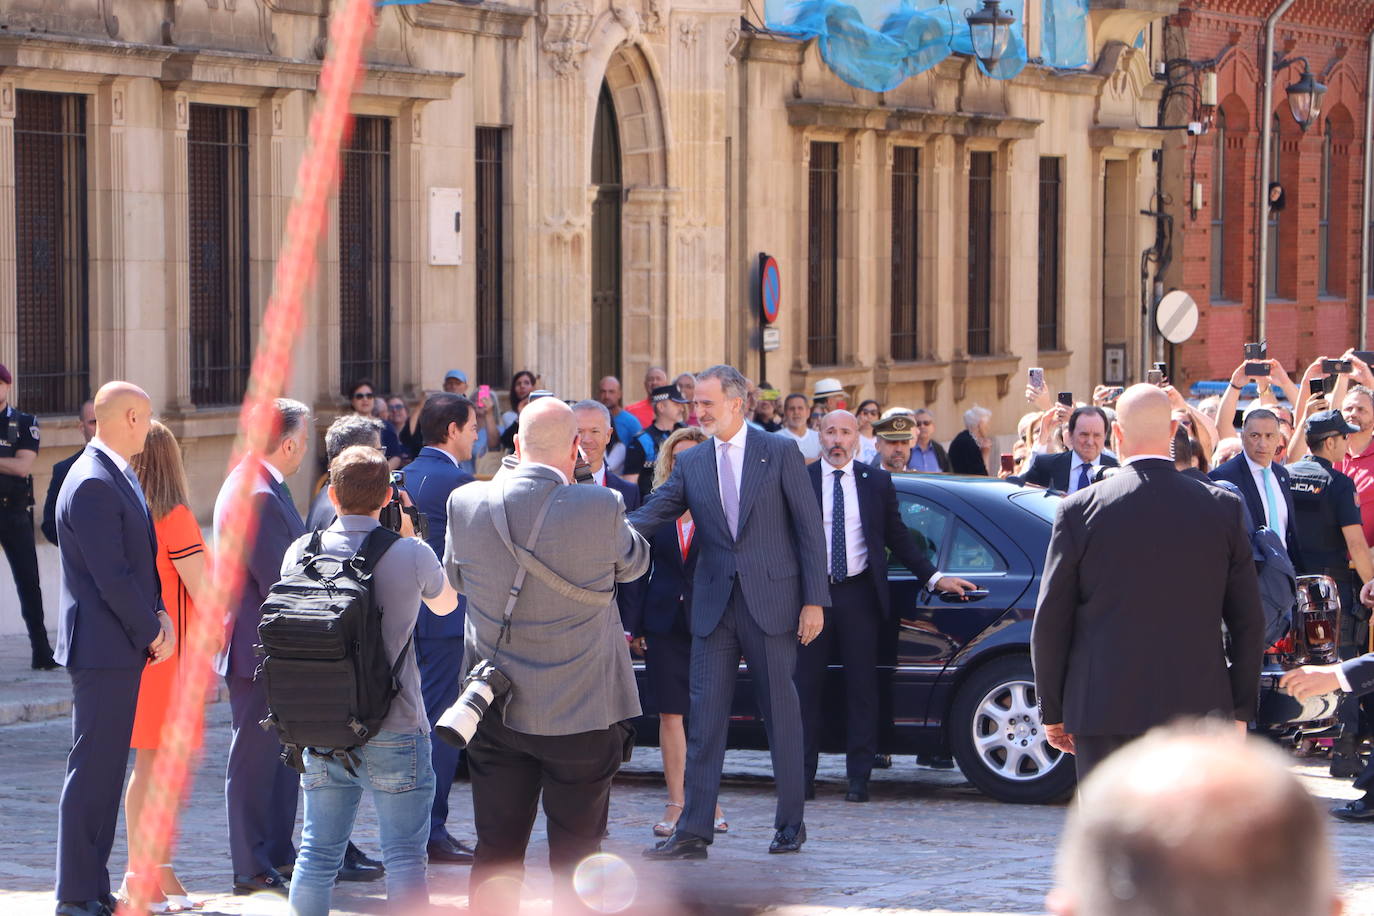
(351, 26)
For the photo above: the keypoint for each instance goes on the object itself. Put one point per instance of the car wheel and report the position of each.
(999, 741)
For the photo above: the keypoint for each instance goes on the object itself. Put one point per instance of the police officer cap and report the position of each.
(1329, 423)
(667, 393)
(898, 428)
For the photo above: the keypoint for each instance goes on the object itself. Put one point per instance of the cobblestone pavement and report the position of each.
(928, 843)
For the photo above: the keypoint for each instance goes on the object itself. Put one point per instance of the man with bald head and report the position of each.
(1146, 558)
(1192, 819)
(111, 623)
(643, 411)
(557, 636)
(860, 522)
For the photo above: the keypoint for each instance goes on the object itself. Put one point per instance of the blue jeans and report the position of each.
(397, 769)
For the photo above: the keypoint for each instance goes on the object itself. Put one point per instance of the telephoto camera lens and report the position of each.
(484, 684)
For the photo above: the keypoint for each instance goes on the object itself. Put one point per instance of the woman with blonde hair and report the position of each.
(663, 637)
(181, 567)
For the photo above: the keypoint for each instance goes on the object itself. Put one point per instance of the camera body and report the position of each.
(484, 685)
(390, 516)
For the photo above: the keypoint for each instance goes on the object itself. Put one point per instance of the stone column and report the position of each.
(9, 280)
(176, 118)
(107, 166)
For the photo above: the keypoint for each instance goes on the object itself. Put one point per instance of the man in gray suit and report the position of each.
(759, 587)
(561, 727)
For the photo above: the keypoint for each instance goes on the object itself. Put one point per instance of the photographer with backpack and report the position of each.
(359, 585)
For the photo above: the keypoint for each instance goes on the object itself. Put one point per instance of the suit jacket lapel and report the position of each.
(126, 487)
(1251, 491)
(1063, 467)
(869, 511)
(755, 464)
(707, 469)
(814, 470)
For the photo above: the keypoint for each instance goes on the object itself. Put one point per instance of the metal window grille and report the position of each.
(365, 255)
(1324, 218)
(50, 247)
(606, 240)
(1218, 265)
(491, 254)
(1050, 266)
(823, 255)
(906, 251)
(980, 254)
(217, 203)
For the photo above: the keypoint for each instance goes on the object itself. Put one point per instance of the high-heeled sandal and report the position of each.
(155, 907)
(666, 828)
(722, 825)
(182, 902)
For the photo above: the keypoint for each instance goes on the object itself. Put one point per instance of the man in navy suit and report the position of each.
(110, 624)
(1263, 481)
(860, 522)
(1071, 471)
(759, 587)
(448, 426)
(260, 791)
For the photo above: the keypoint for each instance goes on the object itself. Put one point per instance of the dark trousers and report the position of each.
(509, 772)
(441, 672)
(260, 792)
(1093, 749)
(103, 703)
(772, 661)
(851, 635)
(16, 538)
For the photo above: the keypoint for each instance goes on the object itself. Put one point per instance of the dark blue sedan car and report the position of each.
(956, 674)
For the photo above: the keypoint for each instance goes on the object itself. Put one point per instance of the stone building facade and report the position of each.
(1212, 182)
(571, 186)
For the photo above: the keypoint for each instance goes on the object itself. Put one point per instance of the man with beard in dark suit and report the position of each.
(1111, 594)
(860, 522)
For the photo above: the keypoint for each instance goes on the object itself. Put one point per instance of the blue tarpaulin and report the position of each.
(877, 44)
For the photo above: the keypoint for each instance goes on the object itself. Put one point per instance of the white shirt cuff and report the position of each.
(1342, 679)
(930, 584)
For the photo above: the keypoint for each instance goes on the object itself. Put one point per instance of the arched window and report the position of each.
(1218, 288)
(1324, 217)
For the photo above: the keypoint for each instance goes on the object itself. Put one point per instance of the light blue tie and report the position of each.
(1272, 492)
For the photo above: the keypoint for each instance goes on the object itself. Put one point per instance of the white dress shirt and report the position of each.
(856, 549)
(599, 475)
(736, 454)
(447, 454)
(1280, 512)
(809, 442)
(1075, 470)
(114, 456)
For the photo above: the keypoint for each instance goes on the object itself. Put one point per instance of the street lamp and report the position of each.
(990, 31)
(1305, 97)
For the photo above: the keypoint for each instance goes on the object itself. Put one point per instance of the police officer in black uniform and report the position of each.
(1327, 520)
(18, 449)
(668, 406)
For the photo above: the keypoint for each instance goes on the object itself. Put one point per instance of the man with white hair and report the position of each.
(968, 451)
(1193, 819)
(1102, 597)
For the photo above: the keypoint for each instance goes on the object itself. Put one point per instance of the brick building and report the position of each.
(1211, 181)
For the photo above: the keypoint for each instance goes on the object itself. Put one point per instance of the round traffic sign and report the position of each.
(770, 288)
(1176, 316)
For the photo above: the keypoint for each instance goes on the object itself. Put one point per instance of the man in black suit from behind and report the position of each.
(1074, 470)
(1263, 481)
(860, 521)
(1146, 558)
(60, 471)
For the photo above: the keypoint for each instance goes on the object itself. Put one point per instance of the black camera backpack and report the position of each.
(328, 680)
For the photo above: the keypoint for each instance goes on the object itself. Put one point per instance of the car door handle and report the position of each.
(978, 594)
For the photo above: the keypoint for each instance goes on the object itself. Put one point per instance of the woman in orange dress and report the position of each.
(181, 566)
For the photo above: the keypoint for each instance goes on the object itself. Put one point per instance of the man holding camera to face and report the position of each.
(549, 686)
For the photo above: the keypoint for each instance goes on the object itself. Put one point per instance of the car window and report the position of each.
(928, 524)
(1040, 503)
(970, 555)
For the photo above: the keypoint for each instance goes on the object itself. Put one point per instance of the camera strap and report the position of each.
(527, 562)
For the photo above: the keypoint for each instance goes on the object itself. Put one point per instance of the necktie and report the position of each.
(1083, 481)
(1271, 491)
(839, 553)
(729, 492)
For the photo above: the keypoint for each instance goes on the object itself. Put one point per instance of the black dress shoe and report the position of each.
(934, 762)
(882, 761)
(678, 846)
(788, 839)
(83, 908)
(1359, 810)
(1346, 766)
(450, 851)
(44, 664)
(269, 882)
(858, 791)
(358, 867)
